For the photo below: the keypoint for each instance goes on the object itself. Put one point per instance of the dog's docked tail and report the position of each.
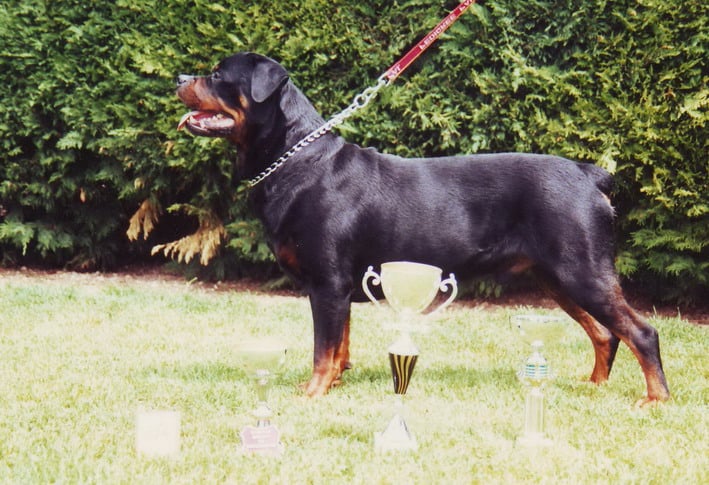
(600, 177)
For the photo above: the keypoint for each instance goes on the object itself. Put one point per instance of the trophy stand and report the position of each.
(409, 288)
(260, 359)
(402, 359)
(535, 373)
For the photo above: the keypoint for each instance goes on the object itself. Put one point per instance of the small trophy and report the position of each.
(157, 433)
(409, 288)
(535, 372)
(260, 358)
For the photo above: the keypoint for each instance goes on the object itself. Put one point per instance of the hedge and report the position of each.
(89, 150)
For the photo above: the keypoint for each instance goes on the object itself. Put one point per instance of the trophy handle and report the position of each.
(376, 280)
(450, 281)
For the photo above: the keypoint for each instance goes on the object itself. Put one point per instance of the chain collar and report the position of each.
(359, 102)
(312, 136)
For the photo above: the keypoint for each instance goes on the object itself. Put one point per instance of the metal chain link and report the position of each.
(359, 102)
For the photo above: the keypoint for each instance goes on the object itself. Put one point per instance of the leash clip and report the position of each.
(366, 96)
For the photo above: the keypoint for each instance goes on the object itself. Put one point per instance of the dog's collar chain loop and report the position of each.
(359, 102)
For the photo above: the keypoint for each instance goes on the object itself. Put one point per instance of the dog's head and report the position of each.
(234, 97)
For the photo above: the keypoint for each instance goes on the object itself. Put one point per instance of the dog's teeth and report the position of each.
(183, 121)
(205, 120)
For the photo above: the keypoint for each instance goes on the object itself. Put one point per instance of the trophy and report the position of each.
(409, 288)
(535, 372)
(157, 433)
(260, 359)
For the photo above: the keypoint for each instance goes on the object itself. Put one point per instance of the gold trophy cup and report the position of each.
(409, 288)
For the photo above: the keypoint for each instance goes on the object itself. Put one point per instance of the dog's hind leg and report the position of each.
(601, 297)
(605, 343)
(642, 339)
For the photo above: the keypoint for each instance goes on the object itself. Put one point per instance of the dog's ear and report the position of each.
(267, 78)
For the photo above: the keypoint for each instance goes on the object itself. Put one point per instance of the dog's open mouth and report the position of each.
(207, 123)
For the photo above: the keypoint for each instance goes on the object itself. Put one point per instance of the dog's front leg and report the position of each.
(331, 321)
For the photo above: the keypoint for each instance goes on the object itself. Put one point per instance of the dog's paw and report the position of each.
(315, 387)
(649, 403)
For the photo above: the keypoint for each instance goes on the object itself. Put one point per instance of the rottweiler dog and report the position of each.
(334, 208)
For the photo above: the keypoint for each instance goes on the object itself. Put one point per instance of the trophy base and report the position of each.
(534, 440)
(262, 440)
(396, 437)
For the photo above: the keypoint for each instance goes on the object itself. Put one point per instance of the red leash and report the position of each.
(362, 99)
(394, 71)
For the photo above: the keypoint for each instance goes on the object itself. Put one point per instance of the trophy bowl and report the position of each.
(410, 287)
(536, 329)
(257, 356)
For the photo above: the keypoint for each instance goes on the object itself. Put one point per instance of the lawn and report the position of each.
(79, 357)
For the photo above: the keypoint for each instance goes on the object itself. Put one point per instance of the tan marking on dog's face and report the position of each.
(239, 116)
(244, 102)
(197, 96)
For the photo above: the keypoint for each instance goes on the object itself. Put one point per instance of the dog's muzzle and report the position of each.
(184, 79)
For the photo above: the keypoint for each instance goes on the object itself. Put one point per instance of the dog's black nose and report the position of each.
(184, 79)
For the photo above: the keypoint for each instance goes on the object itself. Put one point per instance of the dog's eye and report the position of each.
(216, 76)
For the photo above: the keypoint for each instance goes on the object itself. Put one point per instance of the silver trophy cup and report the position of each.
(261, 358)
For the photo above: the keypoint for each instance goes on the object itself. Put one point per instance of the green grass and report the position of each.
(78, 361)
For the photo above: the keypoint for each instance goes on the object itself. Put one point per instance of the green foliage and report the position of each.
(88, 115)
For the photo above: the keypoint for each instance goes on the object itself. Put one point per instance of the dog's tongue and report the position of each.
(189, 116)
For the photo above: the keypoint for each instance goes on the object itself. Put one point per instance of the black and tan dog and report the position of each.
(334, 208)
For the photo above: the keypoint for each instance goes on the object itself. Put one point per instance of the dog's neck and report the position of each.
(295, 117)
(301, 116)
